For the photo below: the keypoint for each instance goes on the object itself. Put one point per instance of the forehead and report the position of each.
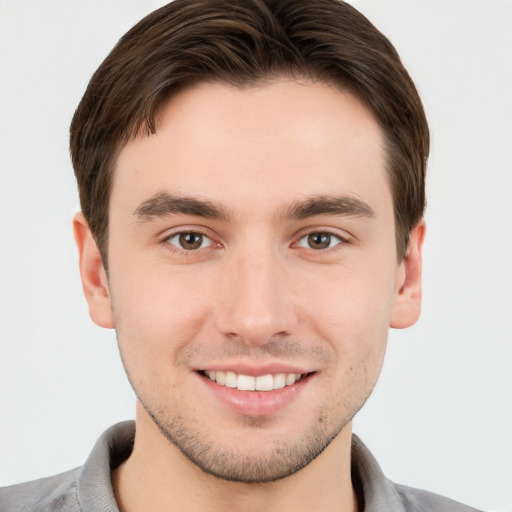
(269, 143)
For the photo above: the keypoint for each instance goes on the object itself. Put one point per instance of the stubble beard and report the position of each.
(277, 461)
(273, 460)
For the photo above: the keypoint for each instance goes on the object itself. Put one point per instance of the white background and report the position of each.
(441, 415)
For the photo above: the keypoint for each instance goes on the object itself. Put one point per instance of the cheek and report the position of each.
(157, 311)
(352, 309)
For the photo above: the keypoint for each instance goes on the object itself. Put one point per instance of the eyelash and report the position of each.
(341, 240)
(212, 245)
(187, 252)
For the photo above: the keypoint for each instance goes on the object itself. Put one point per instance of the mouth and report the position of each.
(256, 392)
(242, 382)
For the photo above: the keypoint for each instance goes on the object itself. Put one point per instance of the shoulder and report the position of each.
(378, 493)
(418, 500)
(87, 488)
(56, 493)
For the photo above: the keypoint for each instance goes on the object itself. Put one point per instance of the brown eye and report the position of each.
(189, 241)
(319, 241)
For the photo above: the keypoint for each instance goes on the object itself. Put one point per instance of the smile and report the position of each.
(243, 382)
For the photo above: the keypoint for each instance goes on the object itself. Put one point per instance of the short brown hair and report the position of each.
(242, 43)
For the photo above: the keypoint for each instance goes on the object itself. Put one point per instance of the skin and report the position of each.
(257, 292)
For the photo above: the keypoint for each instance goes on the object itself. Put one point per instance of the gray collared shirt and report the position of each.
(89, 488)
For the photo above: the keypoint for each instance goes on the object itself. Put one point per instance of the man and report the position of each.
(251, 177)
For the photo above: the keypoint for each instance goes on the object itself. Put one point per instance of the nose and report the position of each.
(256, 301)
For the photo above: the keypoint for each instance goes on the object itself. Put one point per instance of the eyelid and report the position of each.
(202, 246)
(338, 233)
(168, 234)
(343, 237)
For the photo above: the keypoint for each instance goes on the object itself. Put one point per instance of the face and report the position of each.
(253, 272)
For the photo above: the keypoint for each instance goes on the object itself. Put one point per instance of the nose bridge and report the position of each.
(256, 302)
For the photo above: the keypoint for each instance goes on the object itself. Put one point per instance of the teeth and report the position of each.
(279, 381)
(230, 379)
(220, 377)
(290, 379)
(249, 383)
(264, 383)
(246, 383)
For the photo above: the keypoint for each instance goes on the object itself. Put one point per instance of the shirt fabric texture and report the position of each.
(89, 488)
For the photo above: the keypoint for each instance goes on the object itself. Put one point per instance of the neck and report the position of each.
(157, 476)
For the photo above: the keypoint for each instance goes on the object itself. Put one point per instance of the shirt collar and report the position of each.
(373, 488)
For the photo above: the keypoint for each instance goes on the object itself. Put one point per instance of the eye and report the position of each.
(189, 241)
(319, 241)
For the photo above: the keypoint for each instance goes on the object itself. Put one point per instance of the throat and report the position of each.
(158, 476)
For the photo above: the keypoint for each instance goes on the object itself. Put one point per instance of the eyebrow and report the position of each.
(164, 204)
(327, 205)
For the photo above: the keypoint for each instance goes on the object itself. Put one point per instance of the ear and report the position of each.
(92, 272)
(407, 304)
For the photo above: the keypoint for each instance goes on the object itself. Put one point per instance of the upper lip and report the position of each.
(257, 370)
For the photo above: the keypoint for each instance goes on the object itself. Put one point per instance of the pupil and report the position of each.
(319, 240)
(191, 241)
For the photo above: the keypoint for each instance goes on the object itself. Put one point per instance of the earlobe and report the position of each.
(92, 273)
(407, 303)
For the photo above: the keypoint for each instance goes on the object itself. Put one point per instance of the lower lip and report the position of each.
(257, 403)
